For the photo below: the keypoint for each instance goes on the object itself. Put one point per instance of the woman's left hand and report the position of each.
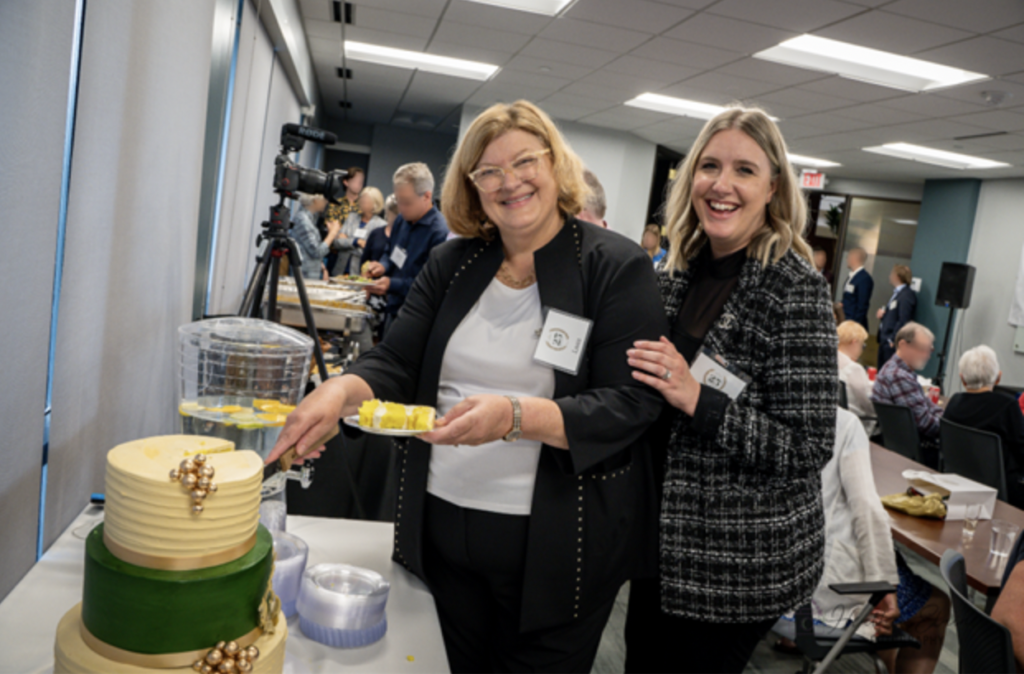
(474, 421)
(661, 366)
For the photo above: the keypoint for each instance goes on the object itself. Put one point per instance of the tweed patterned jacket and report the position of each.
(742, 526)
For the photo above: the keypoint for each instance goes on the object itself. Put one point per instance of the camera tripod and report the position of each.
(279, 244)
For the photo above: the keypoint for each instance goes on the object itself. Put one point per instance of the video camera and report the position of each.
(291, 178)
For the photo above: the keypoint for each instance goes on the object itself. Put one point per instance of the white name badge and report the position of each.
(713, 371)
(849, 288)
(892, 305)
(563, 339)
(398, 257)
(362, 233)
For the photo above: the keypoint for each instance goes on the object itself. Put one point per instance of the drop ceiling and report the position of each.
(583, 65)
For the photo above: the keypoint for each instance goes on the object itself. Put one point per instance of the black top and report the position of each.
(997, 413)
(594, 514)
(713, 281)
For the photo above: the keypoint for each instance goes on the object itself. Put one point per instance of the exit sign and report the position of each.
(812, 180)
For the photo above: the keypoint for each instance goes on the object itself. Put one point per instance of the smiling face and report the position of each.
(732, 187)
(520, 207)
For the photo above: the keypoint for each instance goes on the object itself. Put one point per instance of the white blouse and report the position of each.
(492, 352)
(858, 391)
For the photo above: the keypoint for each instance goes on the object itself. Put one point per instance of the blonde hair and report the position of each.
(785, 216)
(460, 200)
(391, 204)
(378, 198)
(851, 332)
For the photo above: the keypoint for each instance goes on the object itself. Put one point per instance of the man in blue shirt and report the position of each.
(417, 229)
(858, 288)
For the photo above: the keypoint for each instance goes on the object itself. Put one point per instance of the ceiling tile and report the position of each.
(508, 76)
(428, 8)
(798, 15)
(987, 55)
(806, 100)
(730, 34)
(316, 9)
(325, 48)
(489, 16)
(939, 128)
(327, 30)
(687, 53)
(852, 89)
(506, 93)
(793, 129)
(1016, 33)
(892, 33)
(605, 93)
(481, 38)
(833, 122)
(878, 115)
(596, 35)
(972, 16)
(624, 118)
(767, 71)
(526, 62)
(689, 4)
(583, 103)
(557, 50)
(930, 105)
(624, 86)
(386, 39)
(469, 52)
(648, 17)
(658, 71)
(692, 93)
(994, 120)
(732, 86)
(392, 22)
(1012, 88)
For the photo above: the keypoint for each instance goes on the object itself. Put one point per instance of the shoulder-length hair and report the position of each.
(785, 216)
(460, 200)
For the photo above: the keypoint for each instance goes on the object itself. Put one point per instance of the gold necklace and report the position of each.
(506, 277)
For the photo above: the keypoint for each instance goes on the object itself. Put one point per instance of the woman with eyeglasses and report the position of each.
(532, 501)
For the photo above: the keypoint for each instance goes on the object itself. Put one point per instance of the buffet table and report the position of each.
(30, 613)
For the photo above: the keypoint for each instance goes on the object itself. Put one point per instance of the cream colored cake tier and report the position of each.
(73, 656)
(147, 515)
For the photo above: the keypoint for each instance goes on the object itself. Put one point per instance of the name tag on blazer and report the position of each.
(892, 305)
(849, 288)
(714, 371)
(563, 340)
(398, 256)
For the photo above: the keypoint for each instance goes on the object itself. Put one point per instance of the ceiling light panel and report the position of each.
(545, 7)
(403, 58)
(866, 65)
(930, 155)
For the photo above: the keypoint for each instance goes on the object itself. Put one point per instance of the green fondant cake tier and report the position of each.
(152, 611)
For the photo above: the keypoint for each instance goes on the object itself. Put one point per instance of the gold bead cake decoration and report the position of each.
(196, 477)
(227, 658)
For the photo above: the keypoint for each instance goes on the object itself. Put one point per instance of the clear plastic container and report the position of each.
(240, 378)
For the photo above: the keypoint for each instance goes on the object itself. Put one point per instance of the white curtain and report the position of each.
(131, 236)
(35, 63)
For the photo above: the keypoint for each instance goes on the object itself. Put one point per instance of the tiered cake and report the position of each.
(178, 575)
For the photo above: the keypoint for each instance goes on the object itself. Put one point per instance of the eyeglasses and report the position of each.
(491, 178)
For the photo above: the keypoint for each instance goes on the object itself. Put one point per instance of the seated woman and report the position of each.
(984, 408)
(852, 336)
(859, 548)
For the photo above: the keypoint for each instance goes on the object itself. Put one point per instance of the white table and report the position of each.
(30, 613)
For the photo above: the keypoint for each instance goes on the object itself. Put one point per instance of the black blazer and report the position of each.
(594, 513)
(896, 317)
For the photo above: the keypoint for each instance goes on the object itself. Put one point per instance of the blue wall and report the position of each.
(943, 235)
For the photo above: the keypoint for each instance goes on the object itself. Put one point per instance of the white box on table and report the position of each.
(961, 492)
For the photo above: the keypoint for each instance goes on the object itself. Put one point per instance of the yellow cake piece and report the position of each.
(421, 419)
(366, 412)
(273, 419)
(394, 416)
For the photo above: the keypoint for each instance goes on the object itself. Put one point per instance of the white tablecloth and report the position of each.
(30, 613)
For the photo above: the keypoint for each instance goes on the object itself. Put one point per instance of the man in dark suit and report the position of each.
(896, 313)
(858, 289)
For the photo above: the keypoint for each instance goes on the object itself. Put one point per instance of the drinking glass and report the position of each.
(1003, 535)
(971, 516)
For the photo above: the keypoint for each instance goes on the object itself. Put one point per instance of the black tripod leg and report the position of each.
(307, 314)
(275, 273)
(254, 293)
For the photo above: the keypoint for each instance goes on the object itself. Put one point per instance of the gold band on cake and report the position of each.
(178, 563)
(158, 661)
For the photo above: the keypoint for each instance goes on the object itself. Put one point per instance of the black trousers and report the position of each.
(474, 564)
(659, 642)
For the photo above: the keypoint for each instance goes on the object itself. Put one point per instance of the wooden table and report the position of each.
(930, 538)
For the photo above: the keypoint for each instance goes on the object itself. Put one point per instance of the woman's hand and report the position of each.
(311, 420)
(885, 614)
(661, 366)
(474, 421)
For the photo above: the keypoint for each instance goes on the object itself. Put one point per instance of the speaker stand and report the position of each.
(940, 375)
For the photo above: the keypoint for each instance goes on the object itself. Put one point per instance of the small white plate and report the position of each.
(353, 421)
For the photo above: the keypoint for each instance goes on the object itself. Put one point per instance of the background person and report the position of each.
(357, 230)
(416, 231)
(852, 337)
(524, 540)
(594, 205)
(742, 535)
(820, 260)
(376, 247)
(858, 288)
(896, 384)
(313, 249)
(340, 211)
(896, 313)
(651, 243)
(1007, 610)
(984, 408)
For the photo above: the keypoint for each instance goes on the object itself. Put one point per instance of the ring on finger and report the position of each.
(667, 375)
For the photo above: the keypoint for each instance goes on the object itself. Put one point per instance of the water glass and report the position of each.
(971, 515)
(1003, 535)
